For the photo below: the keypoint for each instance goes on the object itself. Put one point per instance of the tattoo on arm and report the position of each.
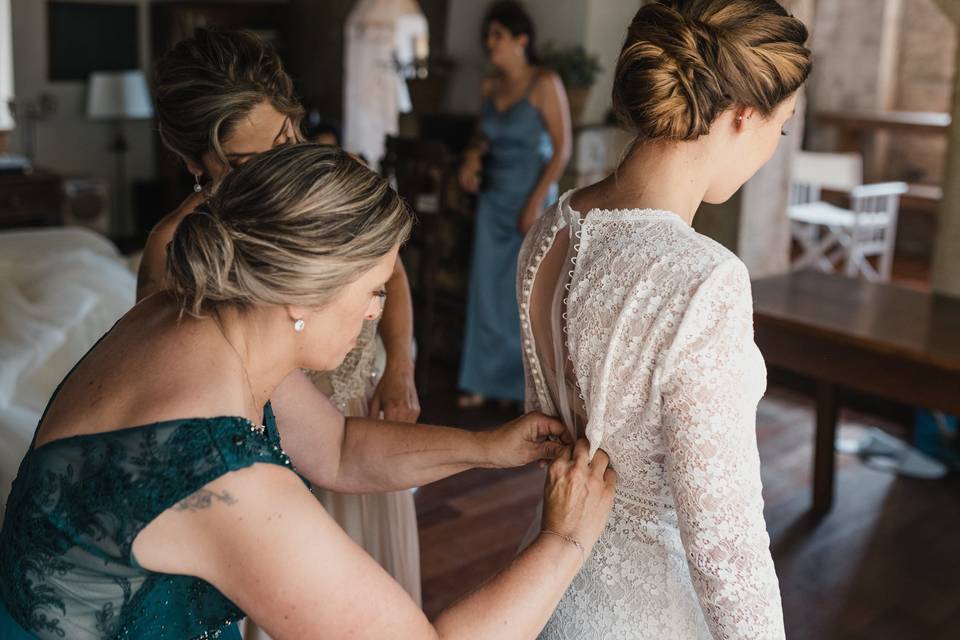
(204, 499)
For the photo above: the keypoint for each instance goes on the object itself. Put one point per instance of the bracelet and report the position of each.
(572, 541)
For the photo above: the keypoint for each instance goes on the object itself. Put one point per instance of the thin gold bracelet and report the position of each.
(573, 541)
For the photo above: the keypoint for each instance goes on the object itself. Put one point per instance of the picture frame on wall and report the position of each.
(77, 45)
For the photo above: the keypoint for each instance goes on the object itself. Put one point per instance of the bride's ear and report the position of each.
(743, 117)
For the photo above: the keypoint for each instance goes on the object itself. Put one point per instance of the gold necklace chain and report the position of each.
(243, 366)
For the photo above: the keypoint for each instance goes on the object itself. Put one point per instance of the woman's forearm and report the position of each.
(377, 455)
(396, 325)
(550, 175)
(518, 601)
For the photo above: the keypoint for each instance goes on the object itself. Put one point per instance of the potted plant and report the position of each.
(577, 69)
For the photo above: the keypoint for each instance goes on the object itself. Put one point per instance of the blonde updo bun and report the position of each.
(684, 62)
(291, 226)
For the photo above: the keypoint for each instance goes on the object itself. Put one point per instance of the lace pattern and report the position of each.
(66, 559)
(659, 331)
(355, 376)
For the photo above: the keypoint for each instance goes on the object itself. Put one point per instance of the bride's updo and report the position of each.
(291, 226)
(685, 62)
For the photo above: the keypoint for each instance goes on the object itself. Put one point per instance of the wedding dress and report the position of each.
(384, 524)
(638, 333)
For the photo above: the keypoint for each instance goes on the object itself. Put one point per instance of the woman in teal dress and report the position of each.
(520, 151)
(161, 499)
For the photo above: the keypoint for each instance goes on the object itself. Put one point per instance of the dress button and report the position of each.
(238, 440)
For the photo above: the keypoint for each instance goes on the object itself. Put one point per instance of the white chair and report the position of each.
(829, 235)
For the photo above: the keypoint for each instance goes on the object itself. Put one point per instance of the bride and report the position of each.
(638, 330)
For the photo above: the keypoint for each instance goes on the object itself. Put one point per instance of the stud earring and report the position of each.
(197, 188)
(298, 325)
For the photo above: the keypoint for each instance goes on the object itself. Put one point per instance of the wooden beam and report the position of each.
(946, 253)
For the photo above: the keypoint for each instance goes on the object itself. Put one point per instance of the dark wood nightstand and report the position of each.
(31, 200)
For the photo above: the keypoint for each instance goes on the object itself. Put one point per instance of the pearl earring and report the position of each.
(197, 188)
(298, 325)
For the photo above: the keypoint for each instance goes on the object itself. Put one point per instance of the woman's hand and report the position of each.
(528, 217)
(470, 171)
(528, 439)
(579, 494)
(396, 396)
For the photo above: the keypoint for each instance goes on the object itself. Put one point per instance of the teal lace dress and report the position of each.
(67, 569)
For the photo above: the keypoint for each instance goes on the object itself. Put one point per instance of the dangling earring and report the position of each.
(298, 325)
(197, 188)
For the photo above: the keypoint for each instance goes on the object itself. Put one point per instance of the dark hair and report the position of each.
(684, 62)
(209, 82)
(517, 21)
(316, 125)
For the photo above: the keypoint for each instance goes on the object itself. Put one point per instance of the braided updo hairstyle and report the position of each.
(685, 62)
(291, 226)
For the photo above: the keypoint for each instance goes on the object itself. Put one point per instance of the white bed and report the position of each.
(60, 290)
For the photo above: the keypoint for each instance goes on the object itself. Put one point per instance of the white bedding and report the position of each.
(60, 290)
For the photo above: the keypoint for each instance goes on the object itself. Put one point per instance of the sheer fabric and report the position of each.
(66, 548)
(384, 524)
(656, 331)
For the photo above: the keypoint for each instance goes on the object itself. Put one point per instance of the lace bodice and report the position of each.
(657, 321)
(349, 385)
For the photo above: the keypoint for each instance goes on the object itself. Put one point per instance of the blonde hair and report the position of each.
(206, 84)
(291, 226)
(684, 62)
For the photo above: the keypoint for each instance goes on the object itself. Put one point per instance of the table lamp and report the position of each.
(6, 70)
(117, 96)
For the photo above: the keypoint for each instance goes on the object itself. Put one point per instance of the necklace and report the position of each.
(243, 366)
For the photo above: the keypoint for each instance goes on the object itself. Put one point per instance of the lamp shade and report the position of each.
(6, 67)
(118, 95)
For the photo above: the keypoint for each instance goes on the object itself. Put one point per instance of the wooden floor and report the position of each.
(885, 564)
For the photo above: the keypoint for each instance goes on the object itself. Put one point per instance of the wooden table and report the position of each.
(873, 338)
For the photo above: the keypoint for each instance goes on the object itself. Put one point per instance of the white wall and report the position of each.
(559, 21)
(605, 30)
(598, 25)
(69, 143)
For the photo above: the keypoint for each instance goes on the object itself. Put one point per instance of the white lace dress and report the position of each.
(652, 325)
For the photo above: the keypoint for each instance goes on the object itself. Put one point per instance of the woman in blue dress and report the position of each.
(161, 498)
(520, 150)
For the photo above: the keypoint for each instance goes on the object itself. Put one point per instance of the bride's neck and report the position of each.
(668, 176)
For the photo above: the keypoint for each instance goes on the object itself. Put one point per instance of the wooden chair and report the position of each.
(422, 172)
(830, 235)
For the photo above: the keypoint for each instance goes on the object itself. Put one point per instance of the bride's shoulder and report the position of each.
(666, 262)
(543, 229)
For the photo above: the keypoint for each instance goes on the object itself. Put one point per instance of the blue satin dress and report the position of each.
(518, 149)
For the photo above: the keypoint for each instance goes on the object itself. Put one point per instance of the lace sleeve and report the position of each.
(713, 377)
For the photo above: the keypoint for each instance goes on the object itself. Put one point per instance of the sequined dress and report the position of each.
(384, 524)
(67, 567)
